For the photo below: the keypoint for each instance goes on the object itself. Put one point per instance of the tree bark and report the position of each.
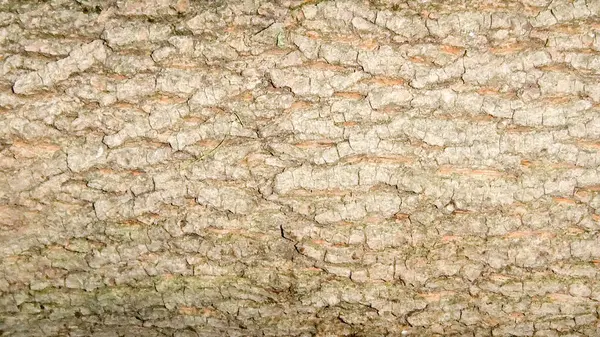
(299, 168)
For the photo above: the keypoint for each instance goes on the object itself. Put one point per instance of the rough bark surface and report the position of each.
(299, 168)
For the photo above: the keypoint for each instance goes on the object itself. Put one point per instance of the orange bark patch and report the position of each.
(583, 193)
(312, 144)
(526, 163)
(345, 38)
(450, 238)
(224, 231)
(10, 215)
(154, 215)
(435, 297)
(28, 150)
(560, 297)
(490, 6)
(137, 173)
(98, 84)
(182, 5)
(589, 145)
(373, 219)
(488, 91)
(349, 124)
(558, 99)
(246, 96)
(452, 50)
(313, 35)
(193, 311)
(508, 49)
(253, 159)
(530, 10)
(567, 28)
(195, 120)
(208, 311)
(319, 65)
(368, 45)
(154, 145)
(164, 99)
(343, 223)
(182, 65)
(299, 105)
(418, 59)
(131, 222)
(168, 276)
(188, 311)
(575, 230)
(106, 171)
(123, 105)
(481, 118)
(449, 170)
(117, 77)
(555, 67)
(561, 200)
(390, 109)
(563, 166)
(519, 129)
(349, 95)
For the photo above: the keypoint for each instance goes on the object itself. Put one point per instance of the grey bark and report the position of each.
(299, 168)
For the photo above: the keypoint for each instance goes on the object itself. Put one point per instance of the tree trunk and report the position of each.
(299, 168)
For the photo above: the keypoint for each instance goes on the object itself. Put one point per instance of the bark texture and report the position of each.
(299, 168)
